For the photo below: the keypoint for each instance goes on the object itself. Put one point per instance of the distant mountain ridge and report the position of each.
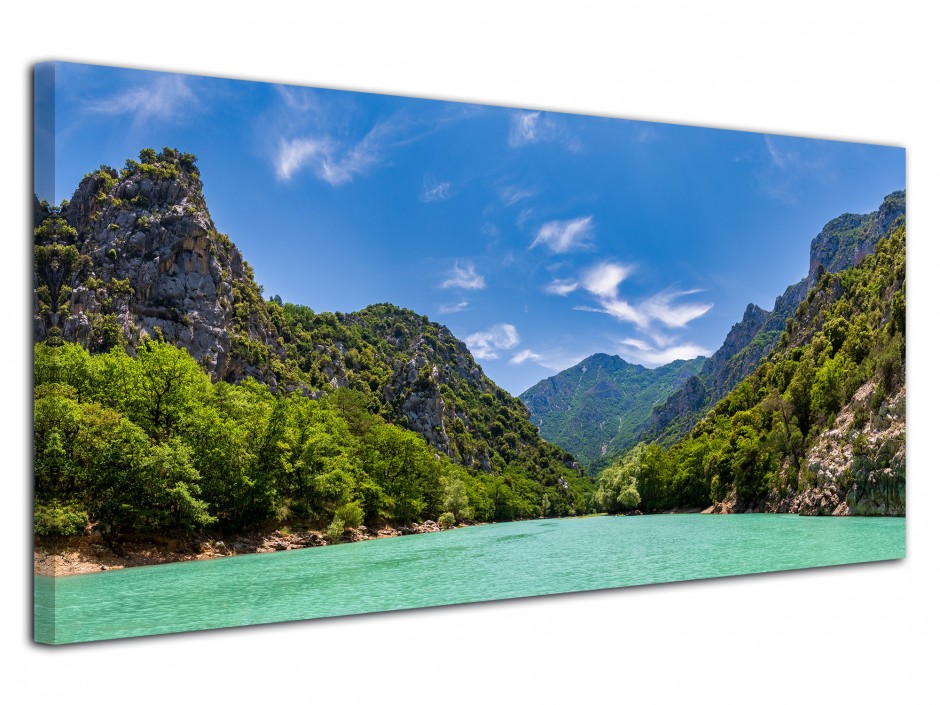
(599, 407)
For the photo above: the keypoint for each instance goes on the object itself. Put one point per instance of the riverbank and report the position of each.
(57, 557)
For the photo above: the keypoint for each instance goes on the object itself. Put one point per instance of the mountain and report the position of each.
(134, 256)
(842, 243)
(819, 428)
(577, 408)
(599, 407)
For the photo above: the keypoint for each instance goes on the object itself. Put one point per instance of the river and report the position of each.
(486, 562)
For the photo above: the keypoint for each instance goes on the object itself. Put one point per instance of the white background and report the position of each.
(862, 71)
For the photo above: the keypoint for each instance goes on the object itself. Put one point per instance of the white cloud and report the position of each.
(453, 308)
(165, 98)
(604, 279)
(561, 287)
(564, 235)
(511, 195)
(464, 278)
(307, 137)
(660, 308)
(641, 352)
(487, 344)
(530, 127)
(524, 356)
(526, 128)
(355, 160)
(329, 161)
(433, 190)
(293, 154)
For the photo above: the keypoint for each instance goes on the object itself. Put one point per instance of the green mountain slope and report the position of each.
(818, 428)
(842, 243)
(132, 268)
(599, 407)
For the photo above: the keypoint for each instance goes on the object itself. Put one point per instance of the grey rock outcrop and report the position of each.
(153, 263)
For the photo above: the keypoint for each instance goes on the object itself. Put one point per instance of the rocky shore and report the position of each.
(89, 553)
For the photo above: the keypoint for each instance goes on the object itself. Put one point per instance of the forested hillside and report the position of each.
(602, 406)
(843, 242)
(818, 428)
(171, 396)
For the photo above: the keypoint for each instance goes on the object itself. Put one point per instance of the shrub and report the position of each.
(446, 520)
(59, 519)
(349, 515)
(335, 531)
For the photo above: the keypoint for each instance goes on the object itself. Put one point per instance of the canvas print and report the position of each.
(303, 353)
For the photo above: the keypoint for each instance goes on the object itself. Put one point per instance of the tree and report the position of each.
(456, 500)
(167, 383)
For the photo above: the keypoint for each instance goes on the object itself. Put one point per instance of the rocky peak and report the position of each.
(847, 240)
(157, 266)
(738, 337)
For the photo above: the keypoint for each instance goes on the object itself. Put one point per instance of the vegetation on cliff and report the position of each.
(837, 372)
(170, 396)
(602, 406)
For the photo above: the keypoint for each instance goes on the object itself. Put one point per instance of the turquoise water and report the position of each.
(487, 562)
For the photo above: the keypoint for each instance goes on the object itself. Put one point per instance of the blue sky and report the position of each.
(538, 238)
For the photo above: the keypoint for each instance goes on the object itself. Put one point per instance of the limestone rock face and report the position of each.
(154, 264)
(858, 467)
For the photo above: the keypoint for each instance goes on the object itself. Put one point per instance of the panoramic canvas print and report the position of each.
(303, 353)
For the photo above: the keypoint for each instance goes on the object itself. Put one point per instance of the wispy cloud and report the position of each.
(329, 160)
(562, 287)
(526, 128)
(660, 307)
(524, 356)
(305, 132)
(165, 98)
(565, 235)
(786, 163)
(294, 154)
(553, 359)
(525, 215)
(641, 352)
(453, 308)
(464, 278)
(434, 190)
(511, 195)
(530, 127)
(490, 343)
(604, 280)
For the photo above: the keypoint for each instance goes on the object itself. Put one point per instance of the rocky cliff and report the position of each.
(843, 242)
(135, 253)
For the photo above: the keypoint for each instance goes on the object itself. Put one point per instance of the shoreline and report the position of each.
(57, 557)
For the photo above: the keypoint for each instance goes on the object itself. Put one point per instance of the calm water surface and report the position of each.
(489, 562)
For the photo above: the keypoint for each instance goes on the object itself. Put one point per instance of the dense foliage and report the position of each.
(133, 270)
(602, 405)
(849, 331)
(842, 242)
(147, 443)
